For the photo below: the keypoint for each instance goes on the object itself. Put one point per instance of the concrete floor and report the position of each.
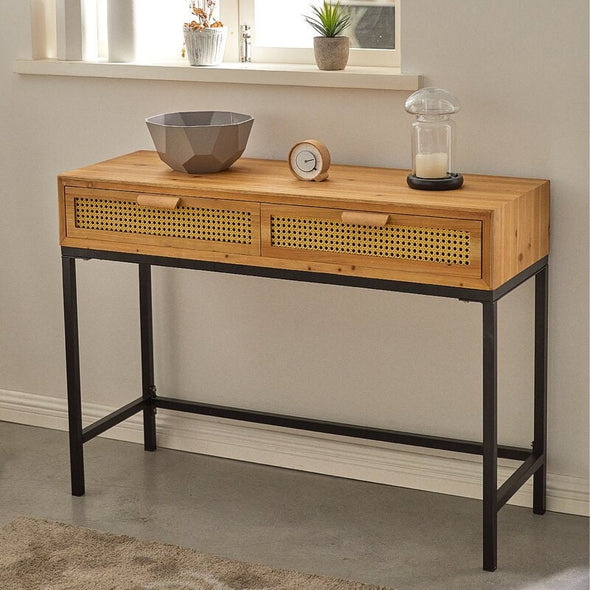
(399, 538)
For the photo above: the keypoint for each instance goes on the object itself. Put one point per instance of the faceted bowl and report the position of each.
(200, 142)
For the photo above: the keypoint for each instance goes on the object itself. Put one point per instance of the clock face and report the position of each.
(309, 160)
(306, 161)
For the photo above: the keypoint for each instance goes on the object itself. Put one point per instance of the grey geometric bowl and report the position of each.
(199, 142)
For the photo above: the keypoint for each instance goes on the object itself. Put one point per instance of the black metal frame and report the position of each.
(534, 460)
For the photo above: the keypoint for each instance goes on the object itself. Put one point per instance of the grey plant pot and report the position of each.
(331, 53)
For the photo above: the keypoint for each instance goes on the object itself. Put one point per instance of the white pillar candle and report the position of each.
(432, 165)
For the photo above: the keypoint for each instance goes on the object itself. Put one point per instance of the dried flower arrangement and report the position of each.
(204, 35)
(203, 10)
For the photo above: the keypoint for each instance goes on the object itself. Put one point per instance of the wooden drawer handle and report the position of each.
(364, 218)
(158, 201)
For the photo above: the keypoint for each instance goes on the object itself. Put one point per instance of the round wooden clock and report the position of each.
(309, 160)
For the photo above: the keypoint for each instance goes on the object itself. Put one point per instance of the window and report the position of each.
(279, 33)
(374, 31)
(157, 30)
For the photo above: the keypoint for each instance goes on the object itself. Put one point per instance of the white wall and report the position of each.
(389, 360)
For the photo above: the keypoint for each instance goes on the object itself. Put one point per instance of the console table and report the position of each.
(362, 228)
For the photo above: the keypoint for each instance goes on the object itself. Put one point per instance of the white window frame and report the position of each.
(229, 14)
(358, 57)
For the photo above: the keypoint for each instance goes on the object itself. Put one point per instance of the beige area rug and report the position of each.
(38, 554)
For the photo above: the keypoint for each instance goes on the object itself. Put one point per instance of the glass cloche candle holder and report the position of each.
(433, 134)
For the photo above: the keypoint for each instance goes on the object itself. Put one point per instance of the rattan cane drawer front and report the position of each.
(384, 240)
(162, 220)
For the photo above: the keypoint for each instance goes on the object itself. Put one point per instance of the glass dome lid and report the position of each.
(432, 101)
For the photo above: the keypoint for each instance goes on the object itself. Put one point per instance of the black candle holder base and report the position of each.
(450, 182)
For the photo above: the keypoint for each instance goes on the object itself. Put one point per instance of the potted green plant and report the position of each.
(204, 35)
(330, 47)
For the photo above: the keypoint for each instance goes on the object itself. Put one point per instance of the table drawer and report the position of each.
(389, 241)
(162, 220)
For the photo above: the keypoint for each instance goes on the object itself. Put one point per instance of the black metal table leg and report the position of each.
(540, 404)
(147, 356)
(534, 461)
(490, 436)
(73, 375)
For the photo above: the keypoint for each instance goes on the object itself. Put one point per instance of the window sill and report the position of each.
(235, 73)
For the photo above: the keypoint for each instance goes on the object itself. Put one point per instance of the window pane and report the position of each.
(372, 23)
(94, 15)
(279, 23)
(158, 29)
